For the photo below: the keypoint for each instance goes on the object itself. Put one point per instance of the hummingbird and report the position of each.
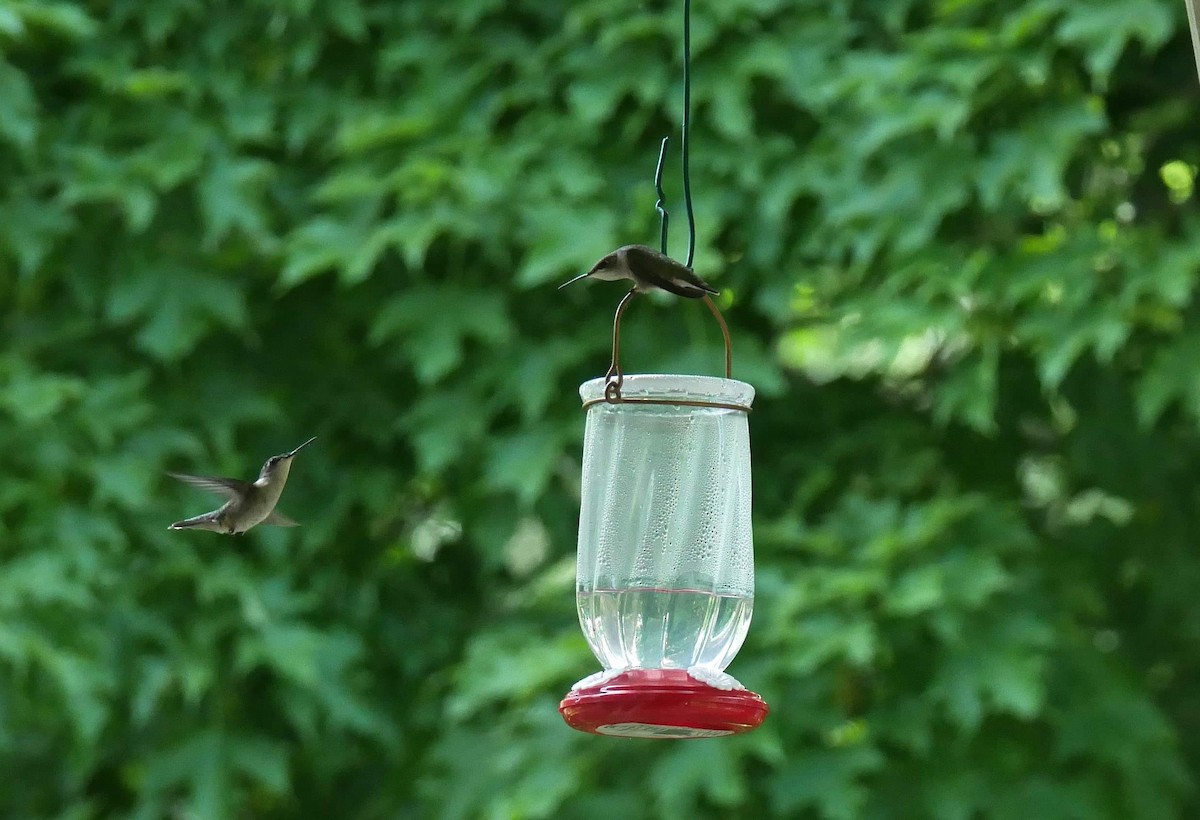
(648, 269)
(249, 502)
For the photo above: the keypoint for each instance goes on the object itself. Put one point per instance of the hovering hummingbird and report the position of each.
(249, 503)
(648, 269)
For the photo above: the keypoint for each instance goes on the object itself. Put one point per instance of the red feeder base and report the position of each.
(661, 703)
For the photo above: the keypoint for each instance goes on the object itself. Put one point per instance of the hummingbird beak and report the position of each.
(576, 279)
(301, 447)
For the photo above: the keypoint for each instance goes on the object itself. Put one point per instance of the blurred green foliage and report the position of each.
(959, 245)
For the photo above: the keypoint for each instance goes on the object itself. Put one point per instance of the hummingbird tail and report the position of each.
(207, 521)
(687, 288)
(278, 519)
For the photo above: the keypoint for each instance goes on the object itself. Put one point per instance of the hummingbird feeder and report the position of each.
(665, 569)
(665, 572)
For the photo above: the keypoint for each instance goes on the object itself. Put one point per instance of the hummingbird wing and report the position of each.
(278, 519)
(228, 487)
(666, 273)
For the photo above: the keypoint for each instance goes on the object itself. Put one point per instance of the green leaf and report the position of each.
(318, 246)
(503, 667)
(63, 19)
(1108, 30)
(523, 462)
(826, 780)
(33, 398)
(564, 243)
(175, 309)
(230, 193)
(19, 125)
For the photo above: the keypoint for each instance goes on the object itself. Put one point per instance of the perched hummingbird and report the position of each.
(249, 503)
(648, 269)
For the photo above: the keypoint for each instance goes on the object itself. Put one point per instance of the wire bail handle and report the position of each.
(614, 378)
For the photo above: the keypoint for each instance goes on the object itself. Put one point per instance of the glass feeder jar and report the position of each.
(665, 573)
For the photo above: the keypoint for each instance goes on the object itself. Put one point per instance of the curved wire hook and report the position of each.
(660, 205)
